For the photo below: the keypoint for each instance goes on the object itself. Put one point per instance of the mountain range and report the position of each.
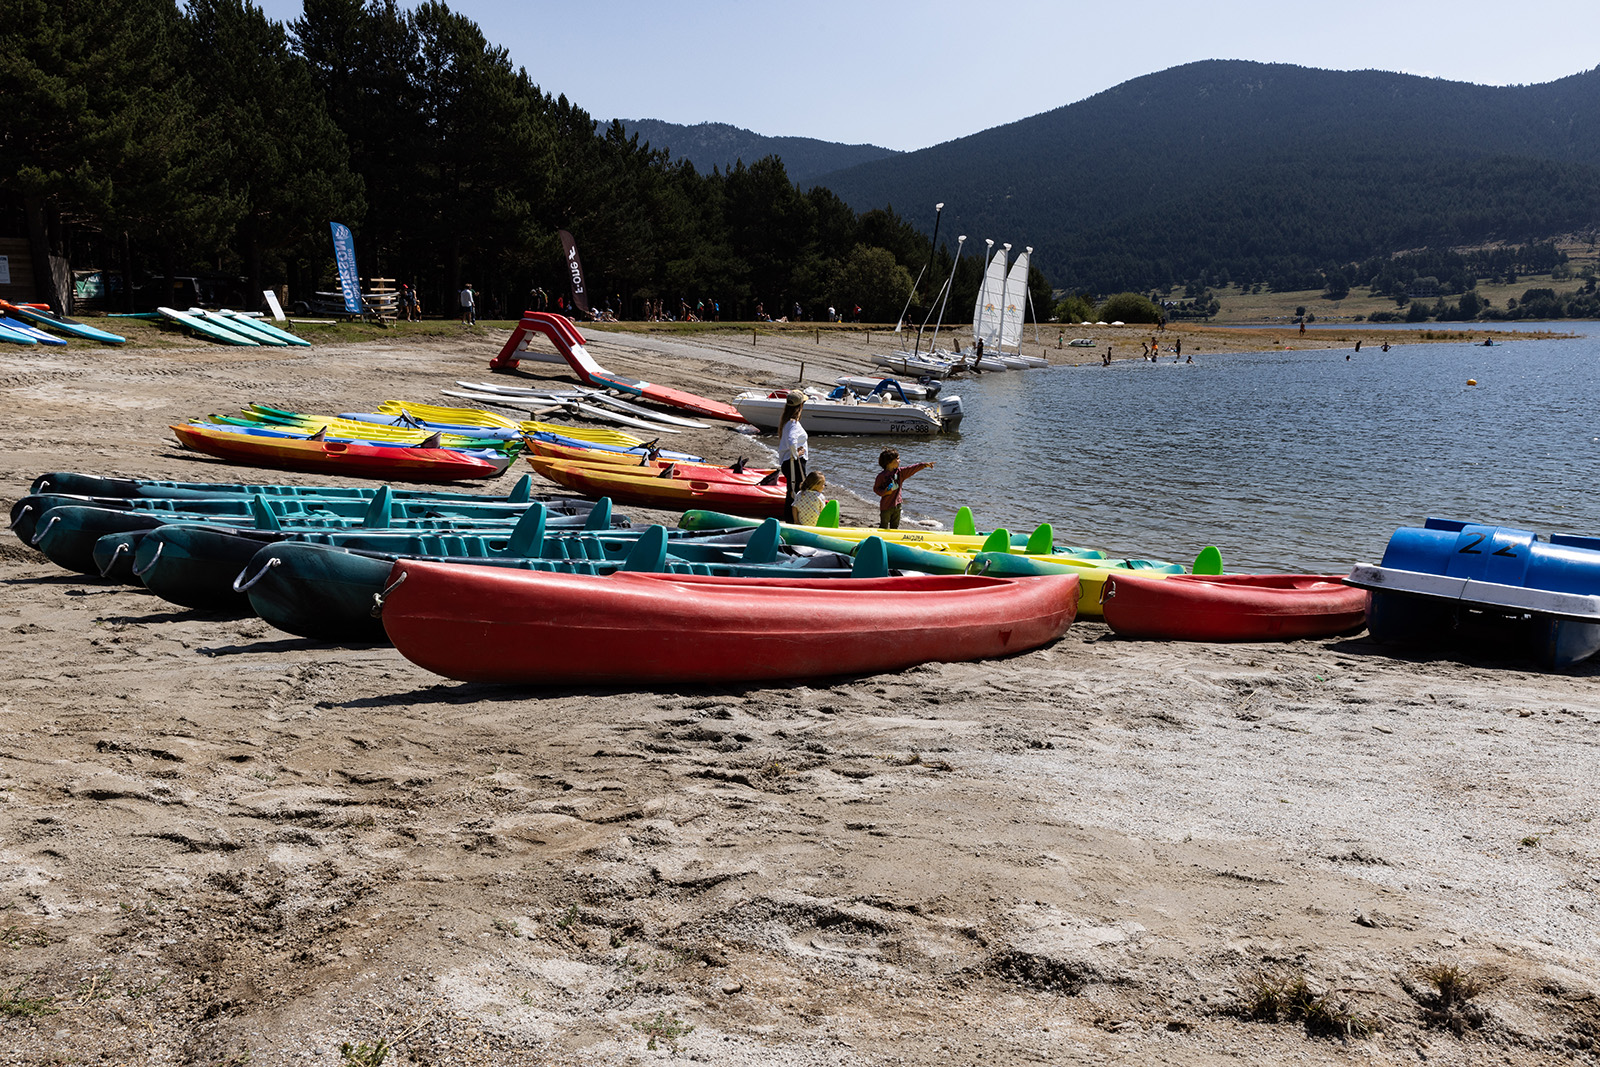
(716, 144)
(1239, 171)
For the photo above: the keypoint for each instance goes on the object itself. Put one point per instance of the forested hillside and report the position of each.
(711, 145)
(1260, 173)
(155, 141)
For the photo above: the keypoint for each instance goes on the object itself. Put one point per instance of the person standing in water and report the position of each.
(792, 450)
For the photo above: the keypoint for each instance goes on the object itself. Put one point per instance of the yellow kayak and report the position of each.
(367, 431)
(933, 540)
(479, 417)
(1092, 574)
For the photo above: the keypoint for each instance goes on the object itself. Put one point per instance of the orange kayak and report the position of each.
(625, 460)
(652, 490)
(341, 458)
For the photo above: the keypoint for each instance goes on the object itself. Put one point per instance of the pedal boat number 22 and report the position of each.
(1449, 576)
(482, 624)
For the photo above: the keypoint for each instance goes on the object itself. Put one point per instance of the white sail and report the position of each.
(986, 313)
(1016, 302)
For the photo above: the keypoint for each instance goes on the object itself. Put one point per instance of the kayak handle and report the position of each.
(979, 566)
(160, 545)
(377, 598)
(105, 571)
(38, 534)
(262, 573)
(1108, 589)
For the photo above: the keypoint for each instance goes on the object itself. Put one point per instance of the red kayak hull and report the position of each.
(345, 458)
(1233, 607)
(487, 624)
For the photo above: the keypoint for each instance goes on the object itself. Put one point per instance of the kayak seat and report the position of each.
(649, 552)
(763, 544)
(871, 559)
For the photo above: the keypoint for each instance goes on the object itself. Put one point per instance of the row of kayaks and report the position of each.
(399, 442)
(318, 565)
(692, 605)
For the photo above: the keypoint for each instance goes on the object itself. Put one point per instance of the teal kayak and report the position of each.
(67, 535)
(95, 485)
(328, 594)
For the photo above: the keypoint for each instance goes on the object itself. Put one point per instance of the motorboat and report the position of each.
(866, 386)
(842, 412)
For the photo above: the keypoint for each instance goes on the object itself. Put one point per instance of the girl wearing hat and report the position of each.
(792, 453)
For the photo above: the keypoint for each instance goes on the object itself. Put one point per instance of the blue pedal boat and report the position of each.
(1448, 576)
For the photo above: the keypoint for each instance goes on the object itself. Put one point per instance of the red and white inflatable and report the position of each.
(569, 342)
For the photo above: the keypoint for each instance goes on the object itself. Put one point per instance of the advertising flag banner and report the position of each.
(580, 295)
(344, 250)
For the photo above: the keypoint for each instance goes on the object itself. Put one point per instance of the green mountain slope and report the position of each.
(715, 144)
(1259, 172)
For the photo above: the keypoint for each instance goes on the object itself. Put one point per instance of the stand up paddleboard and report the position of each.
(67, 326)
(206, 329)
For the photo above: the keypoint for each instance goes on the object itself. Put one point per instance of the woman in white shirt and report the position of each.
(792, 453)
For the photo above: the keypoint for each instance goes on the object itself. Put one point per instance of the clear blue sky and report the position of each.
(907, 75)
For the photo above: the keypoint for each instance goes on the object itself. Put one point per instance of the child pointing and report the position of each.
(887, 486)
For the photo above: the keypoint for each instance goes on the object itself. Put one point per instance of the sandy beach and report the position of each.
(223, 845)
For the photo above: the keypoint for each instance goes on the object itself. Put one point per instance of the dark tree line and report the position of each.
(160, 141)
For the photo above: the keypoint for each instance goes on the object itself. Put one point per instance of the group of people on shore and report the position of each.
(803, 499)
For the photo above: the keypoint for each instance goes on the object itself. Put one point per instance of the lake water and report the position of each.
(1293, 461)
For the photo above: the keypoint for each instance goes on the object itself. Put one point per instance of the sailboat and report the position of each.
(988, 313)
(1013, 313)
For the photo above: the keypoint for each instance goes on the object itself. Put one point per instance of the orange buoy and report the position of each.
(1472, 381)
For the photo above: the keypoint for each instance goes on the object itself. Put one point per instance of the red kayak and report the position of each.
(1232, 607)
(487, 624)
(346, 458)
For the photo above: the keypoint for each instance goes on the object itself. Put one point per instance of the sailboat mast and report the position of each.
(938, 212)
(977, 320)
(1005, 283)
(949, 283)
(1029, 290)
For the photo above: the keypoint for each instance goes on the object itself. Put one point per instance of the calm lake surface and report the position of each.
(1290, 461)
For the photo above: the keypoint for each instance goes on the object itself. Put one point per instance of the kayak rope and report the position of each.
(105, 572)
(153, 560)
(262, 573)
(377, 598)
(38, 534)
